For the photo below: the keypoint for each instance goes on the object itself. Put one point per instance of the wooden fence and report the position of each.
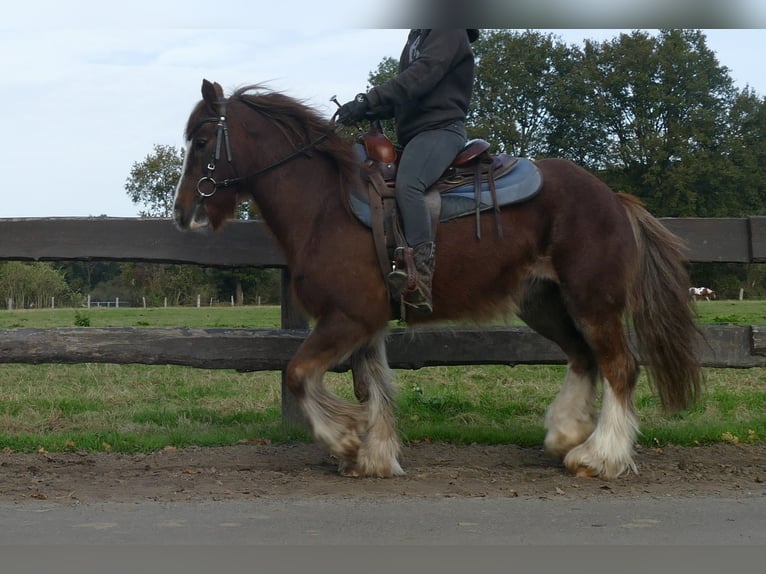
(244, 244)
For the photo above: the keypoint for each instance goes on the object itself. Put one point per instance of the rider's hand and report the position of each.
(353, 111)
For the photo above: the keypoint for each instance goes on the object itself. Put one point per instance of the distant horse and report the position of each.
(573, 262)
(702, 293)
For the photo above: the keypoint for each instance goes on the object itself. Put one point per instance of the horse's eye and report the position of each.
(199, 144)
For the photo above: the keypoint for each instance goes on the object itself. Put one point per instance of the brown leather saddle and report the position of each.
(474, 164)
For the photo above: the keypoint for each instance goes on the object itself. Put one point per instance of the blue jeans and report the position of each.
(424, 159)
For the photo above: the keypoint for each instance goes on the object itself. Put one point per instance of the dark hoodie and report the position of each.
(434, 84)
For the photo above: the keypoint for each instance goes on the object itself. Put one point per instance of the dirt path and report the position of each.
(303, 471)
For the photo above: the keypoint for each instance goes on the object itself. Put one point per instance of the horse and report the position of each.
(702, 292)
(574, 262)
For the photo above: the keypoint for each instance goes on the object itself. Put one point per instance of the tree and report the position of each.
(152, 182)
(387, 68)
(745, 152)
(662, 103)
(179, 284)
(516, 75)
(575, 129)
(32, 284)
(248, 285)
(83, 276)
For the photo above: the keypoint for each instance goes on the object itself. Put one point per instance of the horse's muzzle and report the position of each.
(194, 219)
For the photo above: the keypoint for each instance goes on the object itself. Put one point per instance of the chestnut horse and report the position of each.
(574, 262)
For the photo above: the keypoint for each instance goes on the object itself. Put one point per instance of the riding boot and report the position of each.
(419, 298)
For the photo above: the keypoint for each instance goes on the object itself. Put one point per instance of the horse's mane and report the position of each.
(303, 125)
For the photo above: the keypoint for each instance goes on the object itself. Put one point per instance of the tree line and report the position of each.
(73, 283)
(652, 114)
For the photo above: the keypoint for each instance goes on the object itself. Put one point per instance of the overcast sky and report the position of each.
(87, 88)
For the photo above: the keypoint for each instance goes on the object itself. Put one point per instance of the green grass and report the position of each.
(266, 316)
(747, 312)
(139, 408)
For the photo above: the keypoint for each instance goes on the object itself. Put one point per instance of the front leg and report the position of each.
(360, 435)
(334, 422)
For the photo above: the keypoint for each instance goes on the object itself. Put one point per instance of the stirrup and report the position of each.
(397, 281)
(403, 276)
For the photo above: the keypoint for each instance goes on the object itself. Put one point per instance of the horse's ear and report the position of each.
(212, 92)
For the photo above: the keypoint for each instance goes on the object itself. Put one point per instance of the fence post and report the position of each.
(291, 319)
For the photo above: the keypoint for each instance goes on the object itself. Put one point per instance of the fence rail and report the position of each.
(248, 243)
(270, 350)
(244, 244)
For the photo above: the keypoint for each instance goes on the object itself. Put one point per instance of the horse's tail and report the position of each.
(667, 335)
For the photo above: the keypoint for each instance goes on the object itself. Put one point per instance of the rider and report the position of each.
(428, 99)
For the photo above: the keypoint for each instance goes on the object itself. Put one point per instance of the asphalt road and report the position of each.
(445, 522)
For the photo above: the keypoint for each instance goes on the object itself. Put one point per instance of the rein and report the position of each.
(222, 134)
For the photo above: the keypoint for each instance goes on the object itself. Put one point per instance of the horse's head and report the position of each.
(206, 193)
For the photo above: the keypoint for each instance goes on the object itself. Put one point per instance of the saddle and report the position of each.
(474, 172)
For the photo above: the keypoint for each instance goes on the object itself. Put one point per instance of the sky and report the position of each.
(88, 88)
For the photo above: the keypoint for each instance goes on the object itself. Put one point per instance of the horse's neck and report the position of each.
(295, 200)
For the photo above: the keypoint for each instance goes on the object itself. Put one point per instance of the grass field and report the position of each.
(133, 408)
(267, 317)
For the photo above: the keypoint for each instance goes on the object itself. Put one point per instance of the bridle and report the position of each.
(222, 135)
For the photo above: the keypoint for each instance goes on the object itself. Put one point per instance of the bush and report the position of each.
(81, 319)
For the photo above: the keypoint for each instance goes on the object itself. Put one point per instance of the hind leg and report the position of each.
(608, 451)
(571, 417)
(379, 452)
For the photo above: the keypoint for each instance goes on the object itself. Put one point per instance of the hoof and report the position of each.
(348, 469)
(557, 445)
(593, 467)
(559, 442)
(353, 470)
(584, 472)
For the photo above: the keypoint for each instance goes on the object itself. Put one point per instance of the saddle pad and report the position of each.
(520, 184)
